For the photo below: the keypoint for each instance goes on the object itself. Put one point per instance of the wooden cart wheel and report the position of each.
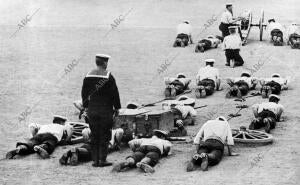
(246, 136)
(248, 30)
(261, 26)
(77, 131)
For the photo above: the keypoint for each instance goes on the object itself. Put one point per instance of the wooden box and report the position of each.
(143, 123)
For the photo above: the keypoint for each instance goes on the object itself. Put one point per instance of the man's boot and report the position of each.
(267, 125)
(204, 163)
(64, 158)
(74, 157)
(11, 154)
(39, 149)
(144, 165)
(119, 167)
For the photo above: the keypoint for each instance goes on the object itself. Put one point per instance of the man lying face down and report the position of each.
(276, 31)
(84, 152)
(273, 85)
(184, 35)
(208, 43)
(240, 86)
(267, 114)
(146, 152)
(44, 138)
(176, 86)
(208, 79)
(293, 36)
(210, 142)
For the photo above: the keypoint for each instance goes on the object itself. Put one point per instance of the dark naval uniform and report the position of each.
(101, 96)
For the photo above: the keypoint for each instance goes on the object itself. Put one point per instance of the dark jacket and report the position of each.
(100, 94)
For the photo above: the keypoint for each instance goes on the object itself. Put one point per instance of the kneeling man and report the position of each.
(45, 138)
(207, 43)
(210, 142)
(241, 86)
(207, 79)
(176, 86)
(184, 35)
(273, 85)
(146, 152)
(267, 114)
(232, 46)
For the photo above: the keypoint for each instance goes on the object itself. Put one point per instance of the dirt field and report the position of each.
(33, 61)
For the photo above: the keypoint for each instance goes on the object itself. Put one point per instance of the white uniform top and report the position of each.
(248, 80)
(186, 110)
(214, 41)
(184, 28)
(184, 81)
(273, 26)
(208, 72)
(215, 129)
(56, 130)
(232, 42)
(161, 144)
(116, 134)
(293, 29)
(271, 106)
(226, 17)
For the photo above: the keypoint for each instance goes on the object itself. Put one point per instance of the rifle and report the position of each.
(152, 104)
(241, 107)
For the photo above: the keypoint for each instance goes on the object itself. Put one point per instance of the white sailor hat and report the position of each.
(180, 75)
(185, 100)
(276, 75)
(221, 118)
(102, 56)
(132, 105)
(274, 96)
(59, 117)
(228, 4)
(210, 60)
(246, 73)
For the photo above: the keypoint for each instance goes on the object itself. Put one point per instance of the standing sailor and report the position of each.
(100, 96)
(227, 20)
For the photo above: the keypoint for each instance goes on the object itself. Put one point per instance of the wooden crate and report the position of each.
(143, 124)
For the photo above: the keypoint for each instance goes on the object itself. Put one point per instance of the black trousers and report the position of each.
(47, 141)
(275, 87)
(294, 40)
(235, 55)
(179, 86)
(181, 38)
(85, 152)
(149, 151)
(100, 125)
(209, 86)
(277, 33)
(242, 86)
(205, 43)
(261, 116)
(224, 29)
(213, 147)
